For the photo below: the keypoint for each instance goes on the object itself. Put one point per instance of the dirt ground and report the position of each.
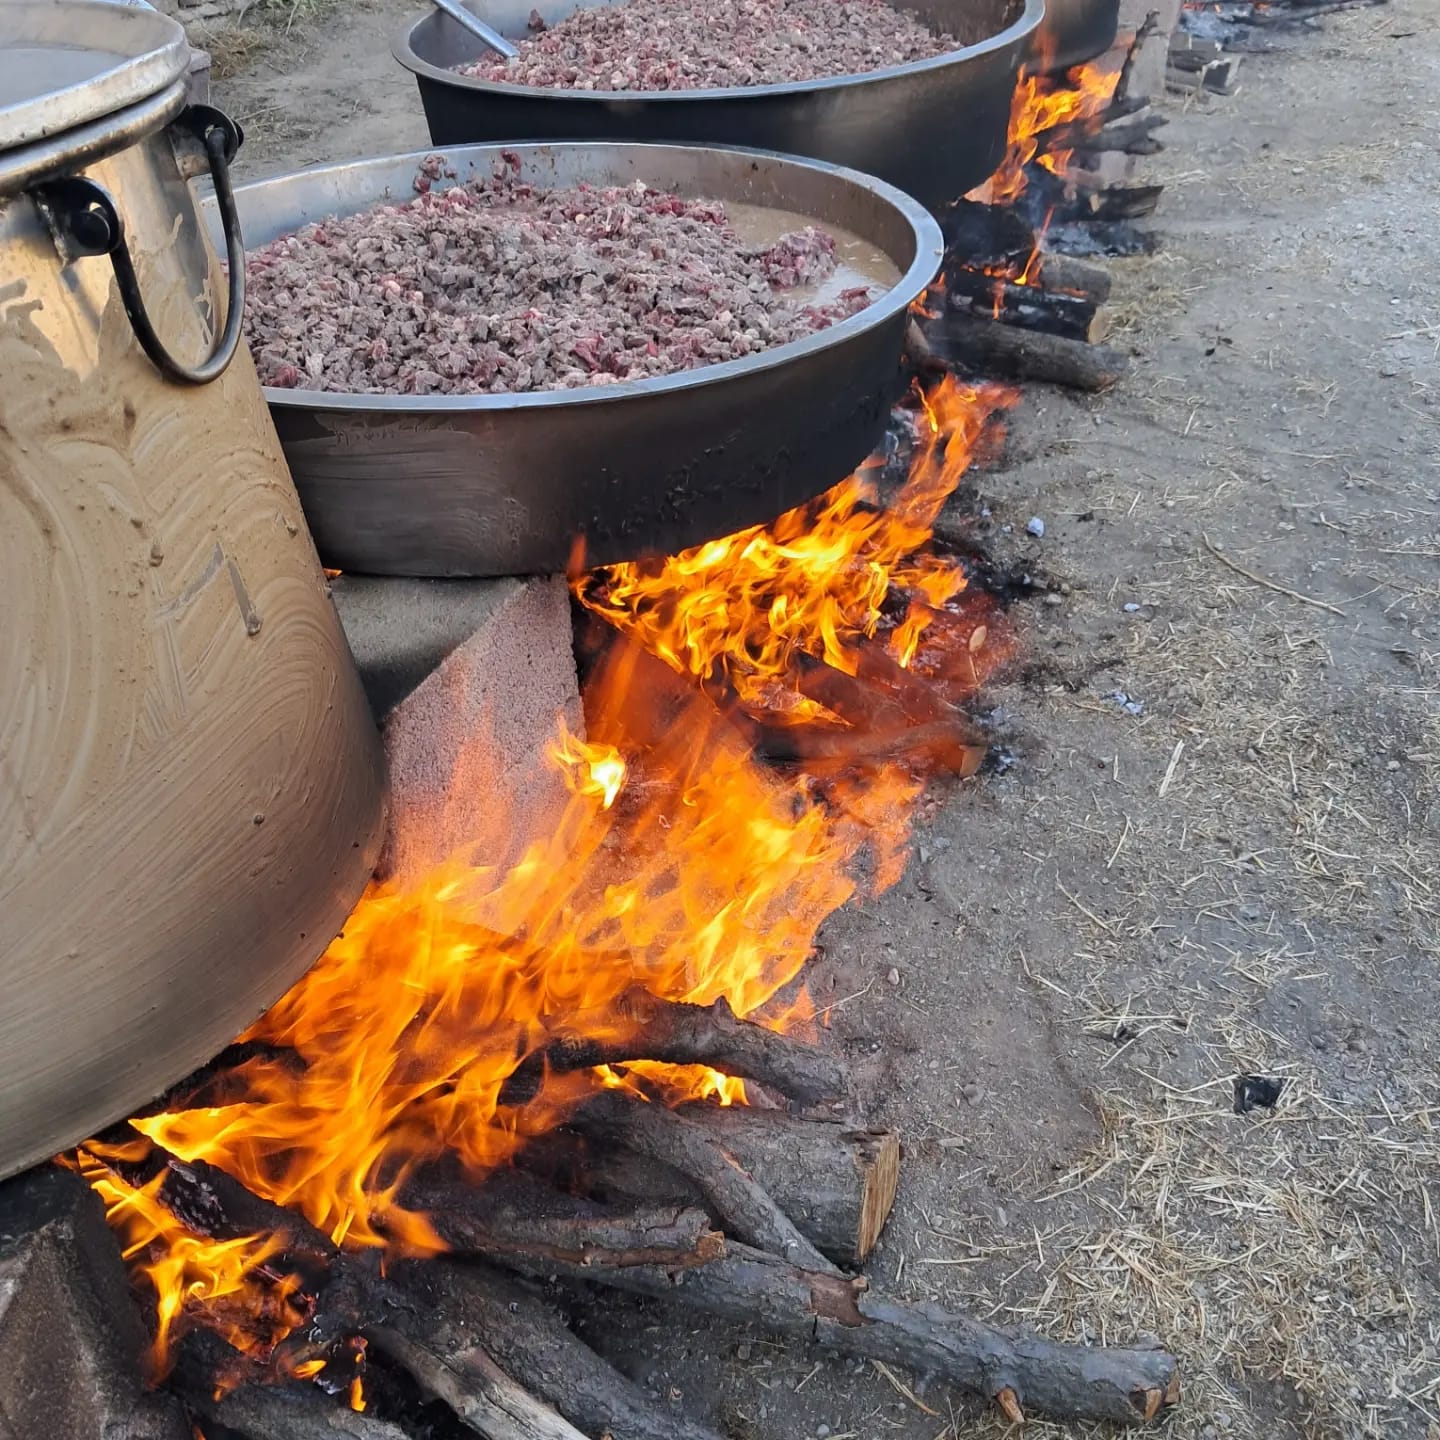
(1241, 878)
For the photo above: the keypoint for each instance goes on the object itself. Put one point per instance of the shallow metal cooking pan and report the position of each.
(934, 128)
(506, 484)
(1075, 31)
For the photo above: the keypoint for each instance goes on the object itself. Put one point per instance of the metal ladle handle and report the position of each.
(85, 220)
(456, 10)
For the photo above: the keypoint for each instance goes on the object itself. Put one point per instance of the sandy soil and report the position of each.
(1242, 878)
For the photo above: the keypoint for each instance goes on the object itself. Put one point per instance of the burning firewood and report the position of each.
(1070, 1382)
(681, 1034)
(224, 1389)
(1027, 306)
(889, 715)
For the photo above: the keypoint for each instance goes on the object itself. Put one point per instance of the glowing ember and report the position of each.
(680, 864)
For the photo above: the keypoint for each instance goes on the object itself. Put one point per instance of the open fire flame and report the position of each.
(681, 864)
(1041, 102)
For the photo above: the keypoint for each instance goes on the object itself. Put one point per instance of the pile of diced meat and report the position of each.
(705, 45)
(497, 286)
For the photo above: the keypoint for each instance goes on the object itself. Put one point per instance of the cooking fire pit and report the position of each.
(934, 128)
(510, 484)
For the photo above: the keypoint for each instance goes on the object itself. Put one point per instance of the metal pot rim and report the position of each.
(1028, 21)
(929, 250)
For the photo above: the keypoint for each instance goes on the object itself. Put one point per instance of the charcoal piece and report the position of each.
(70, 1334)
(233, 1396)
(1257, 1092)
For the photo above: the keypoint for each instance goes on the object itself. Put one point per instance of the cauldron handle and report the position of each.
(85, 220)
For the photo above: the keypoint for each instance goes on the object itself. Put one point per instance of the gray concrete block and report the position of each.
(70, 1336)
(469, 678)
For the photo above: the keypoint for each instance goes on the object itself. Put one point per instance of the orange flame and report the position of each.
(1040, 103)
(680, 864)
(812, 582)
(190, 1275)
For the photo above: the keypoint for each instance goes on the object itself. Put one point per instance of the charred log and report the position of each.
(1066, 1382)
(221, 1081)
(475, 1388)
(825, 751)
(224, 1389)
(981, 235)
(468, 1306)
(891, 716)
(1135, 136)
(988, 348)
(1075, 134)
(1119, 202)
(209, 1202)
(681, 1034)
(1029, 307)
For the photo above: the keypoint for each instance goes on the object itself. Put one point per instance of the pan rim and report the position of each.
(929, 252)
(1031, 17)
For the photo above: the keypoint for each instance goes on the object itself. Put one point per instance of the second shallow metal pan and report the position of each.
(513, 484)
(934, 128)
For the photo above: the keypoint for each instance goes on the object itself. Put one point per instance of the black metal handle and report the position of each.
(84, 217)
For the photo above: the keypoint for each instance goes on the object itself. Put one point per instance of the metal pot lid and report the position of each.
(67, 63)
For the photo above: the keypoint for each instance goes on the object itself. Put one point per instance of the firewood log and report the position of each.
(226, 1390)
(475, 1388)
(1119, 202)
(1076, 277)
(743, 1207)
(988, 348)
(460, 1307)
(835, 1182)
(825, 751)
(1135, 136)
(683, 1034)
(1065, 1382)
(513, 1217)
(1144, 35)
(1030, 307)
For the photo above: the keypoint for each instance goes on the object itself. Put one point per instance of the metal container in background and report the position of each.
(513, 484)
(191, 786)
(933, 128)
(1075, 31)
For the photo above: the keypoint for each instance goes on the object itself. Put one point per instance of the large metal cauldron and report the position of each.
(1075, 31)
(934, 128)
(508, 484)
(191, 789)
